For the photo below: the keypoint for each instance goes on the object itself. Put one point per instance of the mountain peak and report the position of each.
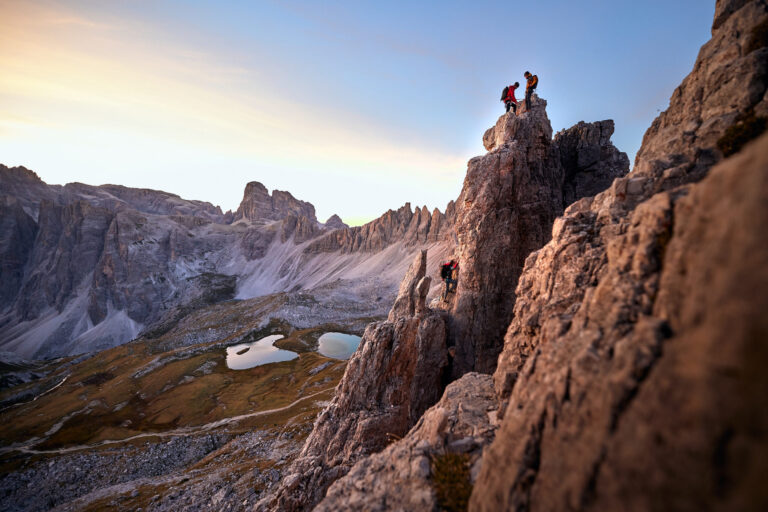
(258, 204)
(335, 222)
(525, 125)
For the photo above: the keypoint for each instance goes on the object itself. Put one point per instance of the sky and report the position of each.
(356, 106)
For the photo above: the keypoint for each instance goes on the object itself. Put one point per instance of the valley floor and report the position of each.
(163, 423)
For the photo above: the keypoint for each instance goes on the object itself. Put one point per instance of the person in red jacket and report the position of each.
(510, 101)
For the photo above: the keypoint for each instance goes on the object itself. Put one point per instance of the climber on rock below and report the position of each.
(449, 272)
(508, 97)
(531, 82)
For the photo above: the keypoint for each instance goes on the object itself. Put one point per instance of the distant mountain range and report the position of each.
(89, 267)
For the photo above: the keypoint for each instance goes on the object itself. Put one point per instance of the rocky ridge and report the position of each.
(401, 225)
(616, 387)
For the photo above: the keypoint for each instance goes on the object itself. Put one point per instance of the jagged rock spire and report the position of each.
(395, 375)
(511, 197)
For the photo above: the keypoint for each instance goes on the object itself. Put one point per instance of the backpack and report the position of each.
(504, 93)
(536, 84)
(445, 270)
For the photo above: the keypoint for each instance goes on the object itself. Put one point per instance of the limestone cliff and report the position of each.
(510, 198)
(89, 267)
(17, 236)
(589, 160)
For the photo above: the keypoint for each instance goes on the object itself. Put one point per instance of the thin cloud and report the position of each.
(101, 84)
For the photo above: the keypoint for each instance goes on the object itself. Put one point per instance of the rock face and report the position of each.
(402, 225)
(511, 197)
(628, 379)
(257, 204)
(17, 236)
(728, 79)
(68, 245)
(589, 160)
(300, 228)
(400, 477)
(395, 375)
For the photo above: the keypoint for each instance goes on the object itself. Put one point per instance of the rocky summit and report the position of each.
(511, 197)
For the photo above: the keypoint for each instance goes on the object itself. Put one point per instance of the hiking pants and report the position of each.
(528, 94)
(512, 105)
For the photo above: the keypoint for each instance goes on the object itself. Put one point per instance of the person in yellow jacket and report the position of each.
(531, 81)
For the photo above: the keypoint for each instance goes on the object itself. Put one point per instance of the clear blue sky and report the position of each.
(355, 106)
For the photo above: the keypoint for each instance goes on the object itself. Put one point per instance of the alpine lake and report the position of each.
(242, 356)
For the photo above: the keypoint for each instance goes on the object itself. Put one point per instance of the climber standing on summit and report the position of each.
(508, 97)
(531, 81)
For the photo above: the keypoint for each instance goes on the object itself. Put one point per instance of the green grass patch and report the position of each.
(450, 478)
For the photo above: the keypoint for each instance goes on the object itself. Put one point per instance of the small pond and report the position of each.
(257, 353)
(338, 345)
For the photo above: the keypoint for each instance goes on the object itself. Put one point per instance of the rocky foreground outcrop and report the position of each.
(631, 374)
(394, 376)
(628, 378)
(463, 422)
